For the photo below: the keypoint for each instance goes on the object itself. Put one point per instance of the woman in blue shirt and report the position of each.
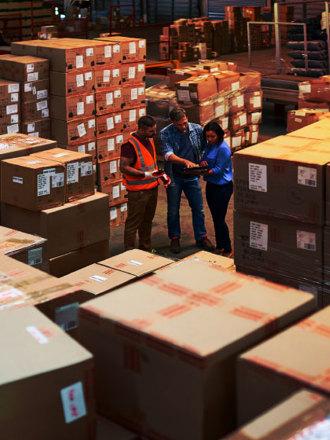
(219, 186)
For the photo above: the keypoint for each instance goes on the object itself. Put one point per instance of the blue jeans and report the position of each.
(193, 191)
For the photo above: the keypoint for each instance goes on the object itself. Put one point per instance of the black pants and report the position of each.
(218, 197)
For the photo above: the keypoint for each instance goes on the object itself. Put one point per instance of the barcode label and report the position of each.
(307, 176)
(35, 256)
(306, 240)
(67, 316)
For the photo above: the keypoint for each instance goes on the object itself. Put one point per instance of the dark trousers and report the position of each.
(141, 207)
(218, 197)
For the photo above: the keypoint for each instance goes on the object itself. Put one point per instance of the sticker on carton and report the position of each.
(225, 123)
(33, 76)
(43, 184)
(116, 48)
(142, 44)
(14, 97)
(88, 76)
(73, 402)
(134, 94)
(307, 176)
(67, 316)
(235, 86)
(113, 166)
(132, 47)
(259, 236)
(17, 179)
(119, 139)
(257, 177)
(98, 278)
(305, 88)
(27, 87)
(183, 95)
(45, 113)
(236, 141)
(86, 169)
(117, 93)
(131, 72)
(254, 137)
(141, 91)
(72, 173)
(109, 98)
(116, 73)
(42, 94)
(82, 148)
(14, 119)
(135, 263)
(80, 80)
(240, 101)
(306, 240)
(110, 123)
(242, 119)
(12, 128)
(116, 192)
(91, 146)
(30, 68)
(35, 256)
(36, 333)
(89, 52)
(142, 112)
(91, 123)
(219, 111)
(257, 101)
(255, 117)
(79, 61)
(123, 207)
(13, 88)
(81, 130)
(132, 115)
(111, 144)
(118, 119)
(57, 180)
(80, 108)
(113, 213)
(42, 105)
(141, 68)
(11, 109)
(106, 75)
(89, 99)
(107, 52)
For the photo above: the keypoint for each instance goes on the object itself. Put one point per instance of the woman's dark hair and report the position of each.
(214, 126)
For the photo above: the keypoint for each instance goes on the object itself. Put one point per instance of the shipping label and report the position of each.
(14, 97)
(72, 173)
(107, 52)
(73, 402)
(113, 213)
(11, 109)
(131, 72)
(113, 166)
(111, 144)
(257, 177)
(109, 98)
(98, 278)
(132, 47)
(19, 180)
(29, 68)
(42, 105)
(14, 119)
(89, 52)
(33, 76)
(79, 61)
(132, 115)
(307, 176)
(12, 128)
(13, 88)
(80, 80)
(306, 240)
(110, 123)
(66, 317)
(43, 184)
(42, 94)
(91, 146)
(106, 75)
(116, 192)
(81, 130)
(35, 256)
(57, 180)
(259, 236)
(80, 108)
(86, 169)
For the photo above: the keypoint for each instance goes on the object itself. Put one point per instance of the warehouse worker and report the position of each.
(182, 145)
(138, 164)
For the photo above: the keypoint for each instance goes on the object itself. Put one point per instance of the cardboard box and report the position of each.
(108, 171)
(73, 132)
(237, 120)
(108, 125)
(133, 95)
(32, 183)
(69, 227)
(87, 148)
(304, 413)
(253, 101)
(109, 101)
(282, 177)
(35, 110)
(196, 89)
(132, 73)
(316, 89)
(21, 48)
(32, 91)
(79, 182)
(39, 128)
(100, 51)
(27, 248)
(302, 104)
(107, 148)
(300, 118)
(11, 144)
(9, 92)
(236, 103)
(10, 124)
(116, 190)
(267, 243)
(208, 257)
(107, 77)
(118, 215)
(61, 380)
(75, 260)
(131, 117)
(24, 68)
(131, 49)
(319, 130)
(200, 113)
(227, 81)
(72, 107)
(159, 332)
(297, 358)
(250, 81)
(72, 83)
(160, 100)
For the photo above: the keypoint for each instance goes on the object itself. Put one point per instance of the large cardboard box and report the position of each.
(118, 215)
(74, 132)
(24, 68)
(227, 81)
(27, 248)
(33, 183)
(107, 148)
(319, 130)
(196, 89)
(35, 110)
(72, 107)
(44, 363)
(130, 118)
(298, 119)
(116, 190)
(109, 101)
(108, 171)
(98, 53)
(303, 414)
(253, 101)
(107, 77)
(87, 148)
(108, 125)
(317, 90)
(133, 73)
(72, 83)
(155, 326)
(282, 177)
(9, 92)
(39, 128)
(280, 246)
(131, 49)
(69, 227)
(133, 95)
(79, 181)
(297, 358)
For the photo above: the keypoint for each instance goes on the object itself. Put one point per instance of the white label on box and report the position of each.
(131, 72)
(41, 105)
(30, 127)
(307, 176)
(43, 185)
(110, 124)
(49, 171)
(67, 316)
(27, 87)
(113, 213)
(82, 148)
(14, 97)
(80, 80)
(111, 144)
(34, 90)
(117, 93)
(73, 402)
(91, 146)
(58, 180)
(30, 68)
(236, 141)
(254, 137)
(142, 44)
(255, 118)
(132, 47)
(33, 162)
(306, 240)
(36, 134)
(11, 109)
(88, 76)
(117, 119)
(257, 101)
(142, 112)
(116, 48)
(134, 94)
(13, 88)
(119, 139)
(107, 52)
(33, 76)
(89, 99)
(219, 111)
(81, 130)
(122, 187)
(89, 52)
(116, 192)
(80, 108)
(91, 123)
(298, 120)
(79, 61)
(135, 263)
(36, 333)
(225, 123)
(109, 98)
(242, 119)
(42, 94)
(240, 101)
(16, 179)
(123, 207)
(72, 173)
(115, 73)
(235, 86)
(35, 256)
(247, 136)
(141, 91)
(257, 177)
(106, 75)
(12, 129)
(259, 236)
(305, 88)
(14, 119)
(183, 95)
(141, 68)
(194, 95)
(132, 115)
(45, 113)
(86, 169)
(98, 278)
(113, 166)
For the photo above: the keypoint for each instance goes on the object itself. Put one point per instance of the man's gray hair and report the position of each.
(177, 114)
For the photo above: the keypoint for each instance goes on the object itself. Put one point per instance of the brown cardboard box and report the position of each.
(133, 95)
(72, 83)
(160, 101)
(300, 118)
(10, 124)
(108, 125)
(253, 101)
(100, 51)
(271, 244)
(208, 257)
(132, 73)
(69, 227)
(39, 128)
(87, 148)
(227, 81)
(75, 260)
(9, 92)
(131, 49)
(107, 77)
(79, 181)
(302, 104)
(196, 89)
(131, 117)
(217, 66)
(24, 69)
(107, 148)
(304, 413)
(251, 135)
(32, 91)
(254, 118)
(237, 121)
(250, 81)
(35, 110)
(21, 48)
(27, 248)
(200, 113)
(32, 183)
(236, 102)
(282, 177)
(155, 323)
(118, 215)
(21, 142)
(108, 171)
(45, 362)
(319, 130)
(316, 89)
(72, 107)
(270, 372)
(73, 132)
(116, 190)
(109, 101)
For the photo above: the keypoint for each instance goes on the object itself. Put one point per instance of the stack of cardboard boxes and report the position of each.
(32, 74)
(315, 93)
(9, 107)
(300, 118)
(280, 209)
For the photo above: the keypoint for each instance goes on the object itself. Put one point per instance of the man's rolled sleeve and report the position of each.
(165, 144)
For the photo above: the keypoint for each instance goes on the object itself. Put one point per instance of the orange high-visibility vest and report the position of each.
(144, 162)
